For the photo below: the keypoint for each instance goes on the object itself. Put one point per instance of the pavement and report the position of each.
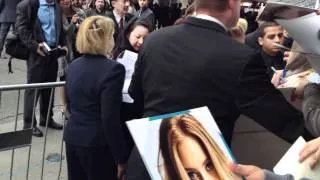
(8, 110)
(251, 144)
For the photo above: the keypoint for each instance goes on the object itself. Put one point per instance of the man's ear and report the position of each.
(260, 40)
(113, 3)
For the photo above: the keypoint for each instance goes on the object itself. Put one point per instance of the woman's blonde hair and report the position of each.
(95, 36)
(173, 131)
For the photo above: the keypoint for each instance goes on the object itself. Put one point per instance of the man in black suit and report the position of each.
(7, 19)
(119, 15)
(216, 72)
(146, 14)
(39, 22)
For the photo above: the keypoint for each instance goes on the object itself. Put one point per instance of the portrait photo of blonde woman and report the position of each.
(189, 152)
(185, 145)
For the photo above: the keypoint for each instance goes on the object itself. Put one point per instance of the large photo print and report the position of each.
(183, 145)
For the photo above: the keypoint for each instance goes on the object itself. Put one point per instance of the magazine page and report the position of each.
(286, 10)
(289, 163)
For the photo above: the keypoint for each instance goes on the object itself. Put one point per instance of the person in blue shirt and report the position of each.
(39, 25)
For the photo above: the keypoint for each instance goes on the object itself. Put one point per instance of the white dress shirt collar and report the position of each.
(210, 18)
(117, 16)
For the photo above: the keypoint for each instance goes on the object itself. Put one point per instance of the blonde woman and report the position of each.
(94, 138)
(189, 152)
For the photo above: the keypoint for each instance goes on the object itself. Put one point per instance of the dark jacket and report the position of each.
(127, 18)
(311, 108)
(252, 40)
(198, 64)
(133, 110)
(94, 94)
(94, 12)
(8, 10)
(28, 26)
(273, 61)
(271, 176)
(147, 15)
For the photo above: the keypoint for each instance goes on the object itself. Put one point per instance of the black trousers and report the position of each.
(90, 163)
(4, 29)
(39, 70)
(136, 168)
(163, 16)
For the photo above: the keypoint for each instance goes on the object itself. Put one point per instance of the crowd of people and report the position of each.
(207, 56)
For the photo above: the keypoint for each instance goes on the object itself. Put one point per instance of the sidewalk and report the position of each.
(51, 169)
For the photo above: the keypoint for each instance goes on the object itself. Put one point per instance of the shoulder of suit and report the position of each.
(165, 31)
(129, 15)
(23, 3)
(27, 3)
(109, 13)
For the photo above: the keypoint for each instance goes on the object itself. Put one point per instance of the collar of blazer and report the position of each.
(210, 18)
(206, 24)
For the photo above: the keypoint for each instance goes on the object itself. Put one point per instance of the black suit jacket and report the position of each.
(197, 64)
(252, 40)
(8, 10)
(147, 15)
(127, 18)
(94, 94)
(28, 26)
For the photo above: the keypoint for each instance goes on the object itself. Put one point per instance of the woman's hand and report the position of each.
(121, 171)
(312, 150)
(248, 172)
(276, 78)
(75, 19)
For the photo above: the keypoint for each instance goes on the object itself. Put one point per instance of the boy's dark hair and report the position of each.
(265, 25)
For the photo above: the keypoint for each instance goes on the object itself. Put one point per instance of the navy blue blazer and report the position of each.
(94, 94)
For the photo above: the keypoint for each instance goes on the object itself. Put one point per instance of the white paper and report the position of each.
(289, 163)
(314, 61)
(128, 60)
(292, 82)
(285, 10)
(305, 30)
(314, 78)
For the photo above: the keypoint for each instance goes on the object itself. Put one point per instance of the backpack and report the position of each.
(15, 48)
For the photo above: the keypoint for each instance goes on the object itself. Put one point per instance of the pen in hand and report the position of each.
(273, 69)
(278, 78)
(284, 73)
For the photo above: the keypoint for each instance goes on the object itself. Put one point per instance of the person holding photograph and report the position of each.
(132, 37)
(189, 152)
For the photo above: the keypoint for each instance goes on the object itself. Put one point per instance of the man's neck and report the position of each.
(49, 1)
(219, 16)
(271, 54)
(99, 10)
(211, 18)
(117, 12)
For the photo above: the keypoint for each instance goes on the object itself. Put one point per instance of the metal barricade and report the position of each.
(23, 138)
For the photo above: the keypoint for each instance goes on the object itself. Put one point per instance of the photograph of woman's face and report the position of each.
(198, 167)
(183, 146)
